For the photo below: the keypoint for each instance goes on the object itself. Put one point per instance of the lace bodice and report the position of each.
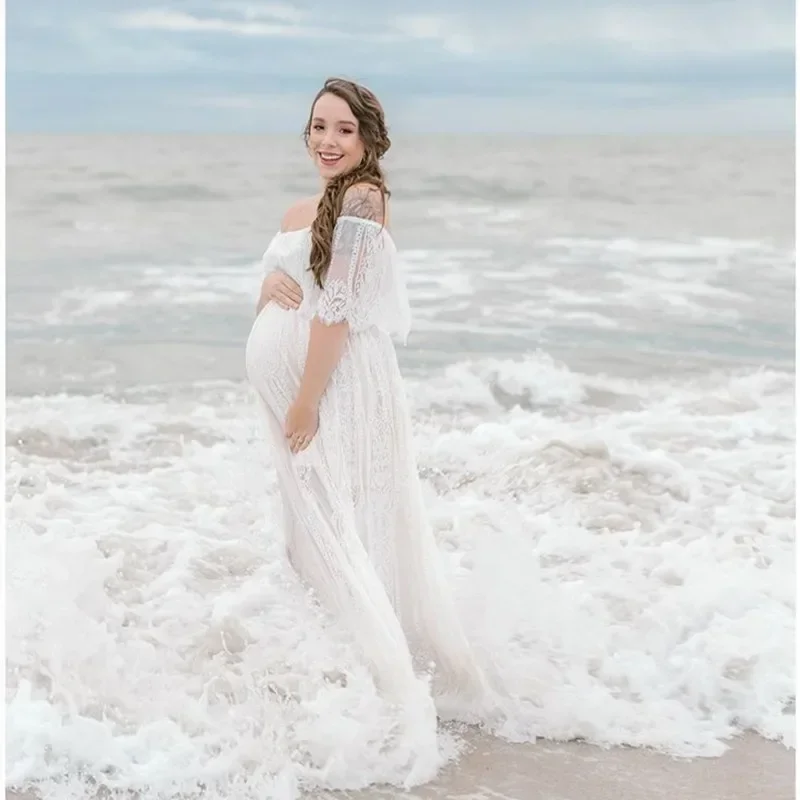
(364, 285)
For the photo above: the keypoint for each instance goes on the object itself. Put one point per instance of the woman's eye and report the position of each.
(318, 127)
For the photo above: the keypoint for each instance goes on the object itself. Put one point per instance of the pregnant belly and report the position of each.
(275, 355)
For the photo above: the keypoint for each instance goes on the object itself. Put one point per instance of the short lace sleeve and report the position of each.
(363, 285)
(269, 261)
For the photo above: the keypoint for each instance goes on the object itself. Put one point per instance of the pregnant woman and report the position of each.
(321, 358)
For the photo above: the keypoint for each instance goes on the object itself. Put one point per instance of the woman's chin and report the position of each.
(329, 172)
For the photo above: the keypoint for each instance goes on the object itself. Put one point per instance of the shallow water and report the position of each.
(602, 380)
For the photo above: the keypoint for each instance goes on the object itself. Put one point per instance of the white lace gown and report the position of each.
(356, 529)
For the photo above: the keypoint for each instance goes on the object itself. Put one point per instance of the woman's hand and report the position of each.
(281, 289)
(302, 422)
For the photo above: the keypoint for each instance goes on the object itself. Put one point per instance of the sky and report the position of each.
(466, 66)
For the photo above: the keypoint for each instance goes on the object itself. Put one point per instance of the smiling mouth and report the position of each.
(327, 158)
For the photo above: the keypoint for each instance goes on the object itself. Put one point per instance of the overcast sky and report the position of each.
(553, 66)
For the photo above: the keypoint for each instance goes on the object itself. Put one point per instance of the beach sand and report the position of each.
(492, 769)
(753, 769)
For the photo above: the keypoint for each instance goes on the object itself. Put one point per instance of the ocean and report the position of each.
(601, 374)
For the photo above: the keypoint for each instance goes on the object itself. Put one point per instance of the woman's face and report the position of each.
(333, 140)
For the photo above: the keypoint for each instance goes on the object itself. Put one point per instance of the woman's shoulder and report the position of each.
(365, 201)
(300, 214)
(362, 201)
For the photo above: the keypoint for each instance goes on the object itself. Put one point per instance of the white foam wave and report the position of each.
(622, 546)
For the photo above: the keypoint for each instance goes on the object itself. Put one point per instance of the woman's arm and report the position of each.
(326, 341)
(325, 347)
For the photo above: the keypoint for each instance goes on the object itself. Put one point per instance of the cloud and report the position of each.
(227, 64)
(648, 30)
(702, 29)
(181, 22)
(442, 30)
(279, 12)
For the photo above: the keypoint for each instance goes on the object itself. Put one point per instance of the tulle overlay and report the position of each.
(355, 524)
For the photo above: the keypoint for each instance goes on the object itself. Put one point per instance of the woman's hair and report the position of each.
(372, 130)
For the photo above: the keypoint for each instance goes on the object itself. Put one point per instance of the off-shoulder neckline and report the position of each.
(343, 216)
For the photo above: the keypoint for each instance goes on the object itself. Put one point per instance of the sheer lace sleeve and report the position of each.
(363, 286)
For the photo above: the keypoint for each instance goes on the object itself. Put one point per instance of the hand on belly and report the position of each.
(280, 289)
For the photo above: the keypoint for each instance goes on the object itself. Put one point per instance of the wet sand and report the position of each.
(753, 769)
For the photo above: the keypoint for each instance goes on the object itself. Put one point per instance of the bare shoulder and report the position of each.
(365, 201)
(300, 214)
